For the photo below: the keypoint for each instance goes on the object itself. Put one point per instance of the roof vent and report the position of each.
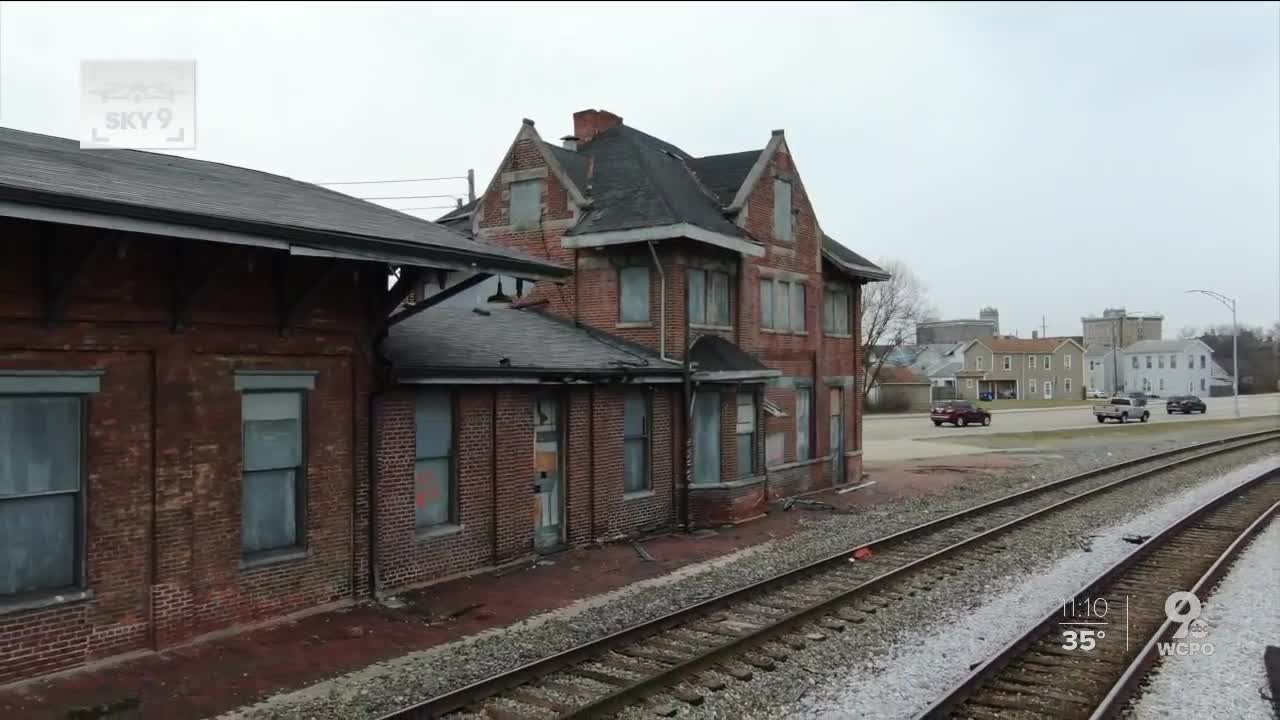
(570, 142)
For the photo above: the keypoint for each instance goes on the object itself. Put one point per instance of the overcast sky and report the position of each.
(1045, 159)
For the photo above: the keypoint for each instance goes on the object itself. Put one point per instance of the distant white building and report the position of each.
(1101, 364)
(1168, 367)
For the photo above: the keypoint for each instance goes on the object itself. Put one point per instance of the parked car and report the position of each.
(1122, 409)
(1185, 404)
(1096, 394)
(959, 413)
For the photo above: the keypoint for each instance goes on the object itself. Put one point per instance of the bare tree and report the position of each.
(1189, 332)
(890, 311)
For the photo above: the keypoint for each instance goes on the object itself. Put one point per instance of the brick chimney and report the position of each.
(589, 123)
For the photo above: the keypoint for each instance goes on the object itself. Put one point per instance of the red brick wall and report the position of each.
(163, 447)
(593, 462)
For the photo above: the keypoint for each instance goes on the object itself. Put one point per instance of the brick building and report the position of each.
(187, 359)
(715, 264)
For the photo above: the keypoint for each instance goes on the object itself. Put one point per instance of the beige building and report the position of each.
(1039, 368)
(1120, 328)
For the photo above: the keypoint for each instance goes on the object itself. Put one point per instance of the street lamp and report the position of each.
(1235, 347)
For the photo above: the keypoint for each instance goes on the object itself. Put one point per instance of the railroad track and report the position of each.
(1050, 673)
(754, 627)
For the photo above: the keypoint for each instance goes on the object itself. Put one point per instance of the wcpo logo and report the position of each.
(1184, 608)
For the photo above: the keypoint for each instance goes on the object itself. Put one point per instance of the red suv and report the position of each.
(958, 413)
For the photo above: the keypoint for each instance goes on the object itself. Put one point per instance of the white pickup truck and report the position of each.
(1122, 409)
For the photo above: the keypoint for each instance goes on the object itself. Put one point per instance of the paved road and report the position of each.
(887, 428)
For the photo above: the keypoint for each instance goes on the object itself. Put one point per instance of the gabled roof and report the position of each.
(946, 370)
(51, 179)
(509, 342)
(1098, 351)
(723, 174)
(893, 375)
(1022, 345)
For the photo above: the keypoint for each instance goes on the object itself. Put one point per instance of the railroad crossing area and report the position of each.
(1070, 580)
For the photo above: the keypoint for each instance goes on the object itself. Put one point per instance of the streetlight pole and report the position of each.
(1235, 344)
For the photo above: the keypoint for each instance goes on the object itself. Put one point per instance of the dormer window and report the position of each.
(782, 210)
(526, 204)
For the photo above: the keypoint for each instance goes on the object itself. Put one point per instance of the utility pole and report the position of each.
(1235, 344)
(471, 185)
(1044, 329)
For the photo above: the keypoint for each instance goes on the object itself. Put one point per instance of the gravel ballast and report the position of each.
(389, 685)
(1243, 617)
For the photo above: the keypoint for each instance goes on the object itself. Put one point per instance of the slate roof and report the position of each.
(510, 341)
(946, 370)
(892, 375)
(724, 174)
(1162, 346)
(638, 181)
(850, 261)
(575, 165)
(54, 172)
(713, 353)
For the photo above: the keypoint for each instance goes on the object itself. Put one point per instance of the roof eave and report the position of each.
(663, 232)
(858, 271)
(428, 374)
(74, 210)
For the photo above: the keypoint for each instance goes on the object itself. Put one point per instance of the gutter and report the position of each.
(662, 305)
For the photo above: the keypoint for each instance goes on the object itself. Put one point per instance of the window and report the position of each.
(782, 305)
(706, 440)
(1066, 363)
(1008, 362)
(1173, 362)
(1190, 386)
(526, 204)
(1161, 384)
(804, 422)
(633, 294)
(1202, 384)
(1148, 362)
(273, 496)
(1048, 362)
(433, 483)
(977, 362)
(1066, 384)
(1191, 361)
(835, 311)
(1092, 365)
(746, 432)
(1031, 362)
(41, 496)
(1034, 386)
(775, 448)
(635, 441)
(1135, 362)
(968, 382)
(1160, 360)
(1202, 362)
(708, 297)
(782, 210)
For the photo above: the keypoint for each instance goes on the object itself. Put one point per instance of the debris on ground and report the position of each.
(811, 504)
(644, 554)
(104, 710)
(855, 487)
(1136, 539)
(1086, 542)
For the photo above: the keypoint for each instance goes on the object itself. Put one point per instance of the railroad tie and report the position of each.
(600, 677)
(737, 672)
(831, 623)
(711, 682)
(686, 694)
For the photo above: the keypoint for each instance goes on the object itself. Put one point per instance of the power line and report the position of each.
(379, 182)
(409, 197)
(428, 207)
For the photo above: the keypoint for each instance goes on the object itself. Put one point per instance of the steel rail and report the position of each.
(980, 676)
(460, 698)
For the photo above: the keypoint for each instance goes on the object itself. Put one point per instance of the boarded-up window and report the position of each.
(633, 294)
(766, 304)
(804, 422)
(835, 311)
(635, 440)
(698, 296)
(782, 210)
(706, 440)
(746, 432)
(708, 297)
(781, 305)
(775, 448)
(526, 204)
(797, 307)
(272, 496)
(39, 493)
(433, 486)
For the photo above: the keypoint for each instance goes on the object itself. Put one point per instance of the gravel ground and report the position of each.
(386, 686)
(895, 665)
(1243, 619)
